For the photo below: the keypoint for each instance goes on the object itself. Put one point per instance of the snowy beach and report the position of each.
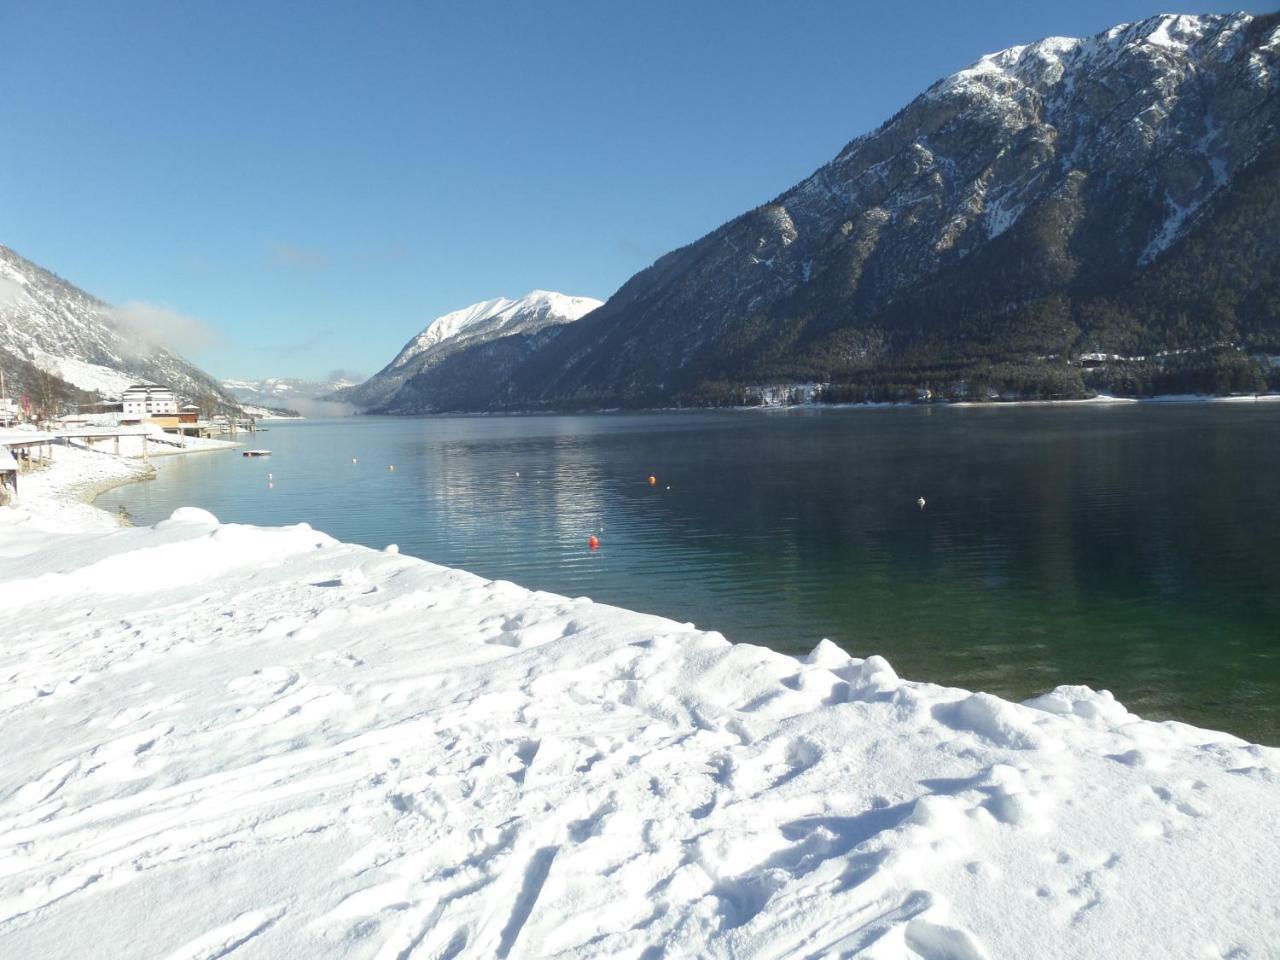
(226, 740)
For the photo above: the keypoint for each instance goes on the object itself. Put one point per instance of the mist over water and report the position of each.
(1129, 548)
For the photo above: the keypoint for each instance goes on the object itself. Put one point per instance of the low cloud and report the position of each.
(297, 258)
(153, 324)
(312, 408)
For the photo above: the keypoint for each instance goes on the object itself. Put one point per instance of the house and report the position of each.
(145, 400)
(189, 414)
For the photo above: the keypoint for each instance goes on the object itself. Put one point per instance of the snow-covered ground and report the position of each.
(234, 741)
(161, 444)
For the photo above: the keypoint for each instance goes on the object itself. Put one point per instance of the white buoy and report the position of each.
(920, 503)
(354, 460)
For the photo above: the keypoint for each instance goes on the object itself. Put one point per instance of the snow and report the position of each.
(1178, 215)
(262, 742)
(55, 500)
(67, 332)
(499, 317)
(1002, 215)
(1044, 62)
(85, 375)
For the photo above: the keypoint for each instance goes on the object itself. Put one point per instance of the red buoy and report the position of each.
(594, 542)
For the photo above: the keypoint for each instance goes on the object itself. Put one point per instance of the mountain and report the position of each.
(59, 342)
(292, 395)
(469, 330)
(1113, 195)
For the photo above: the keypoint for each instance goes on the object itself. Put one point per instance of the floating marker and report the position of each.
(354, 460)
(594, 542)
(269, 477)
(517, 473)
(920, 503)
(392, 468)
(270, 486)
(653, 481)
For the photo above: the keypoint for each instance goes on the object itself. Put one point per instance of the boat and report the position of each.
(256, 453)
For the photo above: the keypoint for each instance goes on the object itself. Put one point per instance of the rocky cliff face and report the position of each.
(1004, 215)
(50, 329)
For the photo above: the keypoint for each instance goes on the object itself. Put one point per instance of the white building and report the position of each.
(148, 400)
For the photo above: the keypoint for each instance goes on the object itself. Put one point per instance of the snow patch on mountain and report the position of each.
(87, 343)
(480, 323)
(94, 377)
(494, 318)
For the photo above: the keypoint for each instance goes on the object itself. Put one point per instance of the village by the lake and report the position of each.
(737, 481)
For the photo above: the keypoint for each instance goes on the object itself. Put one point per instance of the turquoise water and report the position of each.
(1130, 548)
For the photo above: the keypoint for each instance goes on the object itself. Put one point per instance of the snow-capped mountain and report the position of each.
(1060, 196)
(47, 324)
(471, 327)
(277, 394)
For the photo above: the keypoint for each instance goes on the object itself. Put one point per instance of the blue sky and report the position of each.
(314, 182)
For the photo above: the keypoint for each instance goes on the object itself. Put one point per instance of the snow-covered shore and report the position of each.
(260, 742)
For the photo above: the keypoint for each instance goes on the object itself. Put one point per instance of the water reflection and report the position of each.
(1126, 548)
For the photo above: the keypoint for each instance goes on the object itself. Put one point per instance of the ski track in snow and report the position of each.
(251, 742)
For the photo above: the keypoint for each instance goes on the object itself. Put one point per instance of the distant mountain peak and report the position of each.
(471, 326)
(497, 317)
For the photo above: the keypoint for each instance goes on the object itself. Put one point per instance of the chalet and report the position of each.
(145, 400)
(189, 414)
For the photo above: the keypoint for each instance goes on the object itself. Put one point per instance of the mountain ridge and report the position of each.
(462, 331)
(1005, 206)
(58, 341)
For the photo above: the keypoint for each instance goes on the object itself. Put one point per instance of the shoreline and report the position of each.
(1098, 401)
(335, 750)
(89, 494)
(1101, 400)
(65, 491)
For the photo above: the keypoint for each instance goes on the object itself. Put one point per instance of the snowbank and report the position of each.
(228, 740)
(56, 499)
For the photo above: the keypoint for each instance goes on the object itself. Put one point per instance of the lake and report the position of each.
(1129, 547)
